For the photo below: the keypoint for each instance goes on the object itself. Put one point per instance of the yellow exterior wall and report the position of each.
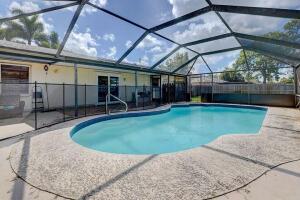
(65, 74)
(58, 74)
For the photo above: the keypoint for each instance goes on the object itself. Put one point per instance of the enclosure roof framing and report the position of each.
(58, 56)
(272, 53)
(38, 12)
(231, 71)
(185, 64)
(49, 58)
(270, 12)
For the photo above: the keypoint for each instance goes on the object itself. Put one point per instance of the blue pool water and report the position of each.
(179, 129)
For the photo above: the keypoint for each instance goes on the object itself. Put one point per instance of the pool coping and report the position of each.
(174, 154)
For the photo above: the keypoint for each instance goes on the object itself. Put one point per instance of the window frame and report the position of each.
(24, 91)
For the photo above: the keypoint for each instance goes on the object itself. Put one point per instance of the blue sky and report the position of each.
(101, 35)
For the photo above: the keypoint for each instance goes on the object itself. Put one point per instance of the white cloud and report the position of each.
(225, 43)
(47, 27)
(164, 52)
(244, 23)
(252, 24)
(90, 9)
(26, 6)
(82, 43)
(101, 3)
(128, 43)
(149, 42)
(87, 10)
(219, 59)
(181, 7)
(204, 26)
(144, 61)
(111, 37)
(112, 52)
(50, 19)
(98, 37)
(164, 17)
(156, 49)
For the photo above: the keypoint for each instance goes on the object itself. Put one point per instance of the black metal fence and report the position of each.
(43, 104)
(37, 105)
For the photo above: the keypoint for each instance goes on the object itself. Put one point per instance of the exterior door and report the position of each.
(155, 88)
(114, 87)
(102, 88)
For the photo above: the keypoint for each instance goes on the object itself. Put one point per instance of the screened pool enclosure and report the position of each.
(230, 51)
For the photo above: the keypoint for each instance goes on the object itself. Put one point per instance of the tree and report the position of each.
(54, 42)
(292, 30)
(287, 80)
(263, 68)
(50, 41)
(175, 62)
(232, 76)
(2, 32)
(42, 40)
(267, 69)
(27, 28)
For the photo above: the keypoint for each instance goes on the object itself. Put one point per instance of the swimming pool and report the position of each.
(177, 129)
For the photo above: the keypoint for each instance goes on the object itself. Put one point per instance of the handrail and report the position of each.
(297, 100)
(106, 103)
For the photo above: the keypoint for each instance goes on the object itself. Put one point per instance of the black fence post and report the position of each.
(76, 100)
(186, 89)
(160, 90)
(125, 88)
(48, 107)
(212, 87)
(144, 93)
(151, 95)
(248, 88)
(168, 89)
(35, 108)
(199, 90)
(64, 102)
(85, 99)
(174, 92)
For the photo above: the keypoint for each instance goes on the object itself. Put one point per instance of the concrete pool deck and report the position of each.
(53, 162)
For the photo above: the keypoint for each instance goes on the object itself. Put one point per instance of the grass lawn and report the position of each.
(196, 99)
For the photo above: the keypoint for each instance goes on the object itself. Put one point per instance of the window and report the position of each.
(13, 76)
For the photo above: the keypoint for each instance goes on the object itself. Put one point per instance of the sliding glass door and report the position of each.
(114, 87)
(107, 85)
(102, 88)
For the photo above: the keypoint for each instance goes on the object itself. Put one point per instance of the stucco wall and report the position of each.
(58, 74)
(65, 74)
